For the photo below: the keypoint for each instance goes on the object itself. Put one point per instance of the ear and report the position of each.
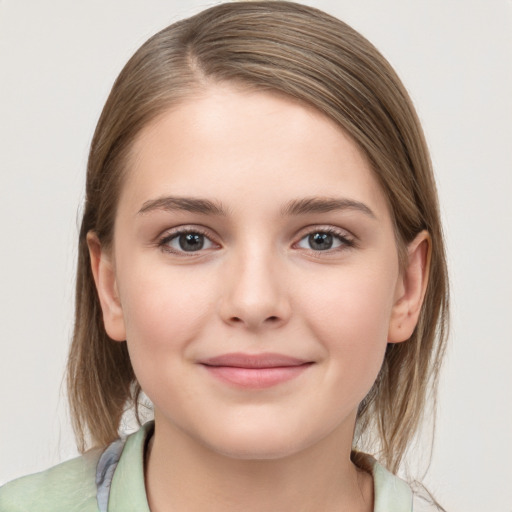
(105, 280)
(410, 290)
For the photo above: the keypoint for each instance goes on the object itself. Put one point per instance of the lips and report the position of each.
(255, 370)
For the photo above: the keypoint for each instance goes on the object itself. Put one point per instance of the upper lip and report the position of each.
(264, 360)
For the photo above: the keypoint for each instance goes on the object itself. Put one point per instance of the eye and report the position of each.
(186, 241)
(324, 240)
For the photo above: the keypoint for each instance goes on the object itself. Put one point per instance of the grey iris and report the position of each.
(191, 241)
(320, 241)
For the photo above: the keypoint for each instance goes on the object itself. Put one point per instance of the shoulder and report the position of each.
(68, 487)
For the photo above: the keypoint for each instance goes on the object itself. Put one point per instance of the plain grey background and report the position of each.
(58, 60)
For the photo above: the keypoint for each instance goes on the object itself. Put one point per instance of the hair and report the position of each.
(318, 60)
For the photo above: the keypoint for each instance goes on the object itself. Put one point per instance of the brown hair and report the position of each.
(306, 54)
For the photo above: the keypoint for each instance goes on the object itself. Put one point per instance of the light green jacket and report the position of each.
(113, 481)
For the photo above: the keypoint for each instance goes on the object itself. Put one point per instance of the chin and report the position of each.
(258, 442)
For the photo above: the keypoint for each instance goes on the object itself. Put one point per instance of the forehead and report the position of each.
(231, 142)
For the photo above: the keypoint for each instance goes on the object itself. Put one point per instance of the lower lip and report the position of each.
(256, 378)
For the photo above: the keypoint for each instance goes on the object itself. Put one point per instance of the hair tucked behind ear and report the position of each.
(320, 61)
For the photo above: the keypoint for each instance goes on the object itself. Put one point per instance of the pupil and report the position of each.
(191, 242)
(320, 241)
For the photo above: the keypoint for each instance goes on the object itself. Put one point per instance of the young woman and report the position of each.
(260, 254)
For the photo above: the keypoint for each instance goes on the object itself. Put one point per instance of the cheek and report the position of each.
(164, 310)
(350, 318)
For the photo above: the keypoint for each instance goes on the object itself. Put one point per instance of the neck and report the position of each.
(183, 475)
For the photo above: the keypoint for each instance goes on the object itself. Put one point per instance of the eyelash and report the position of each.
(347, 242)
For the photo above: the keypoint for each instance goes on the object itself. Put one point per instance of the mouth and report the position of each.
(255, 371)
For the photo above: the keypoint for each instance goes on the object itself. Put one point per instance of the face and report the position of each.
(254, 273)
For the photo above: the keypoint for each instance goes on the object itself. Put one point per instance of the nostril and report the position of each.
(271, 319)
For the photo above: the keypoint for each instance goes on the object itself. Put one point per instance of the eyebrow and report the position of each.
(295, 207)
(188, 204)
(324, 205)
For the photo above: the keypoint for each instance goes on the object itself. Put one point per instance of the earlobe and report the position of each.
(411, 289)
(105, 280)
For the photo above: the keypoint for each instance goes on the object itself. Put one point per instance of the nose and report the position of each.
(254, 291)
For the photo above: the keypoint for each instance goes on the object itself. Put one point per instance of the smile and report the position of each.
(255, 371)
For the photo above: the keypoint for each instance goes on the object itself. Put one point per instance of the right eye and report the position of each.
(186, 241)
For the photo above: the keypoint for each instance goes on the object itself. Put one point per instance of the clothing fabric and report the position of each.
(112, 480)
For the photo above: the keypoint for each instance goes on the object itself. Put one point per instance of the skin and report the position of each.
(258, 285)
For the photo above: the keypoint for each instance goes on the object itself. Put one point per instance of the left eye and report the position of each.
(187, 242)
(322, 241)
